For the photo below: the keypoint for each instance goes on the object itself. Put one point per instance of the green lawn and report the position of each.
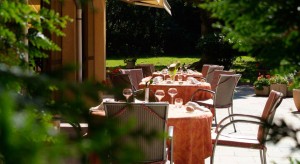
(244, 65)
(157, 61)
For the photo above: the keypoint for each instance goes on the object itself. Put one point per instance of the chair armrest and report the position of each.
(235, 122)
(202, 90)
(170, 137)
(236, 115)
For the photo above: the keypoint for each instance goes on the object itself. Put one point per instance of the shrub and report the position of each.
(278, 79)
(261, 82)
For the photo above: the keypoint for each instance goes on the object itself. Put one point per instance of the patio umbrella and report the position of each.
(151, 3)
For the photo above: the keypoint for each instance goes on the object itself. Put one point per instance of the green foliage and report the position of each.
(295, 81)
(268, 30)
(28, 100)
(130, 60)
(216, 50)
(27, 134)
(158, 34)
(15, 18)
(261, 82)
(278, 79)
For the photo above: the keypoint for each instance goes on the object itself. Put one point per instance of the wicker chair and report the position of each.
(119, 82)
(150, 117)
(205, 69)
(136, 76)
(222, 96)
(264, 122)
(216, 77)
(148, 69)
(210, 72)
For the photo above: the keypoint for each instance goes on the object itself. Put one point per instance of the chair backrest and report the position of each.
(210, 72)
(140, 95)
(136, 76)
(225, 90)
(205, 69)
(216, 76)
(274, 100)
(119, 82)
(147, 69)
(150, 117)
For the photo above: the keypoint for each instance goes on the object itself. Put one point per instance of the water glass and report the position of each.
(164, 72)
(178, 102)
(179, 77)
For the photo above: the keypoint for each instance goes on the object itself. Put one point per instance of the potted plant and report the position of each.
(290, 78)
(262, 86)
(130, 62)
(295, 87)
(279, 83)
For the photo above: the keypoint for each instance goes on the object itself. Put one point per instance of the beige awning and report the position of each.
(151, 3)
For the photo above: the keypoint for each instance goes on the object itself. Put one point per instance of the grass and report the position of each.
(244, 65)
(157, 61)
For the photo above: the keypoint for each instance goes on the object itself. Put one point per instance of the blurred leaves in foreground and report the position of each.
(28, 102)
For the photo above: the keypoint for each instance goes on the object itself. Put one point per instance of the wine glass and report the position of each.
(127, 92)
(172, 92)
(159, 94)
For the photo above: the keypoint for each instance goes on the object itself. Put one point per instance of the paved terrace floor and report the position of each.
(246, 102)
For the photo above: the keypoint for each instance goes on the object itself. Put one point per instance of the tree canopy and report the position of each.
(268, 30)
(144, 31)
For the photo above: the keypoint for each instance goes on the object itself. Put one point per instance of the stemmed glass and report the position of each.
(159, 94)
(172, 92)
(164, 72)
(127, 92)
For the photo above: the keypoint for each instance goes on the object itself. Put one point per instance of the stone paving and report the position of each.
(246, 102)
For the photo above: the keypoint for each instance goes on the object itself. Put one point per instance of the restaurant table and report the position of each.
(196, 75)
(192, 135)
(185, 90)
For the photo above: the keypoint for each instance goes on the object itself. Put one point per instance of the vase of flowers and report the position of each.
(262, 86)
(295, 87)
(172, 71)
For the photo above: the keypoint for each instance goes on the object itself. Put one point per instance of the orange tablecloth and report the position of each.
(185, 90)
(196, 75)
(192, 137)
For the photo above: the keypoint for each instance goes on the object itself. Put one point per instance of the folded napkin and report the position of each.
(157, 79)
(193, 80)
(189, 105)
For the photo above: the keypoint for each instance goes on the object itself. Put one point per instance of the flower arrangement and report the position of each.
(172, 70)
(294, 80)
(261, 82)
(278, 79)
(115, 70)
